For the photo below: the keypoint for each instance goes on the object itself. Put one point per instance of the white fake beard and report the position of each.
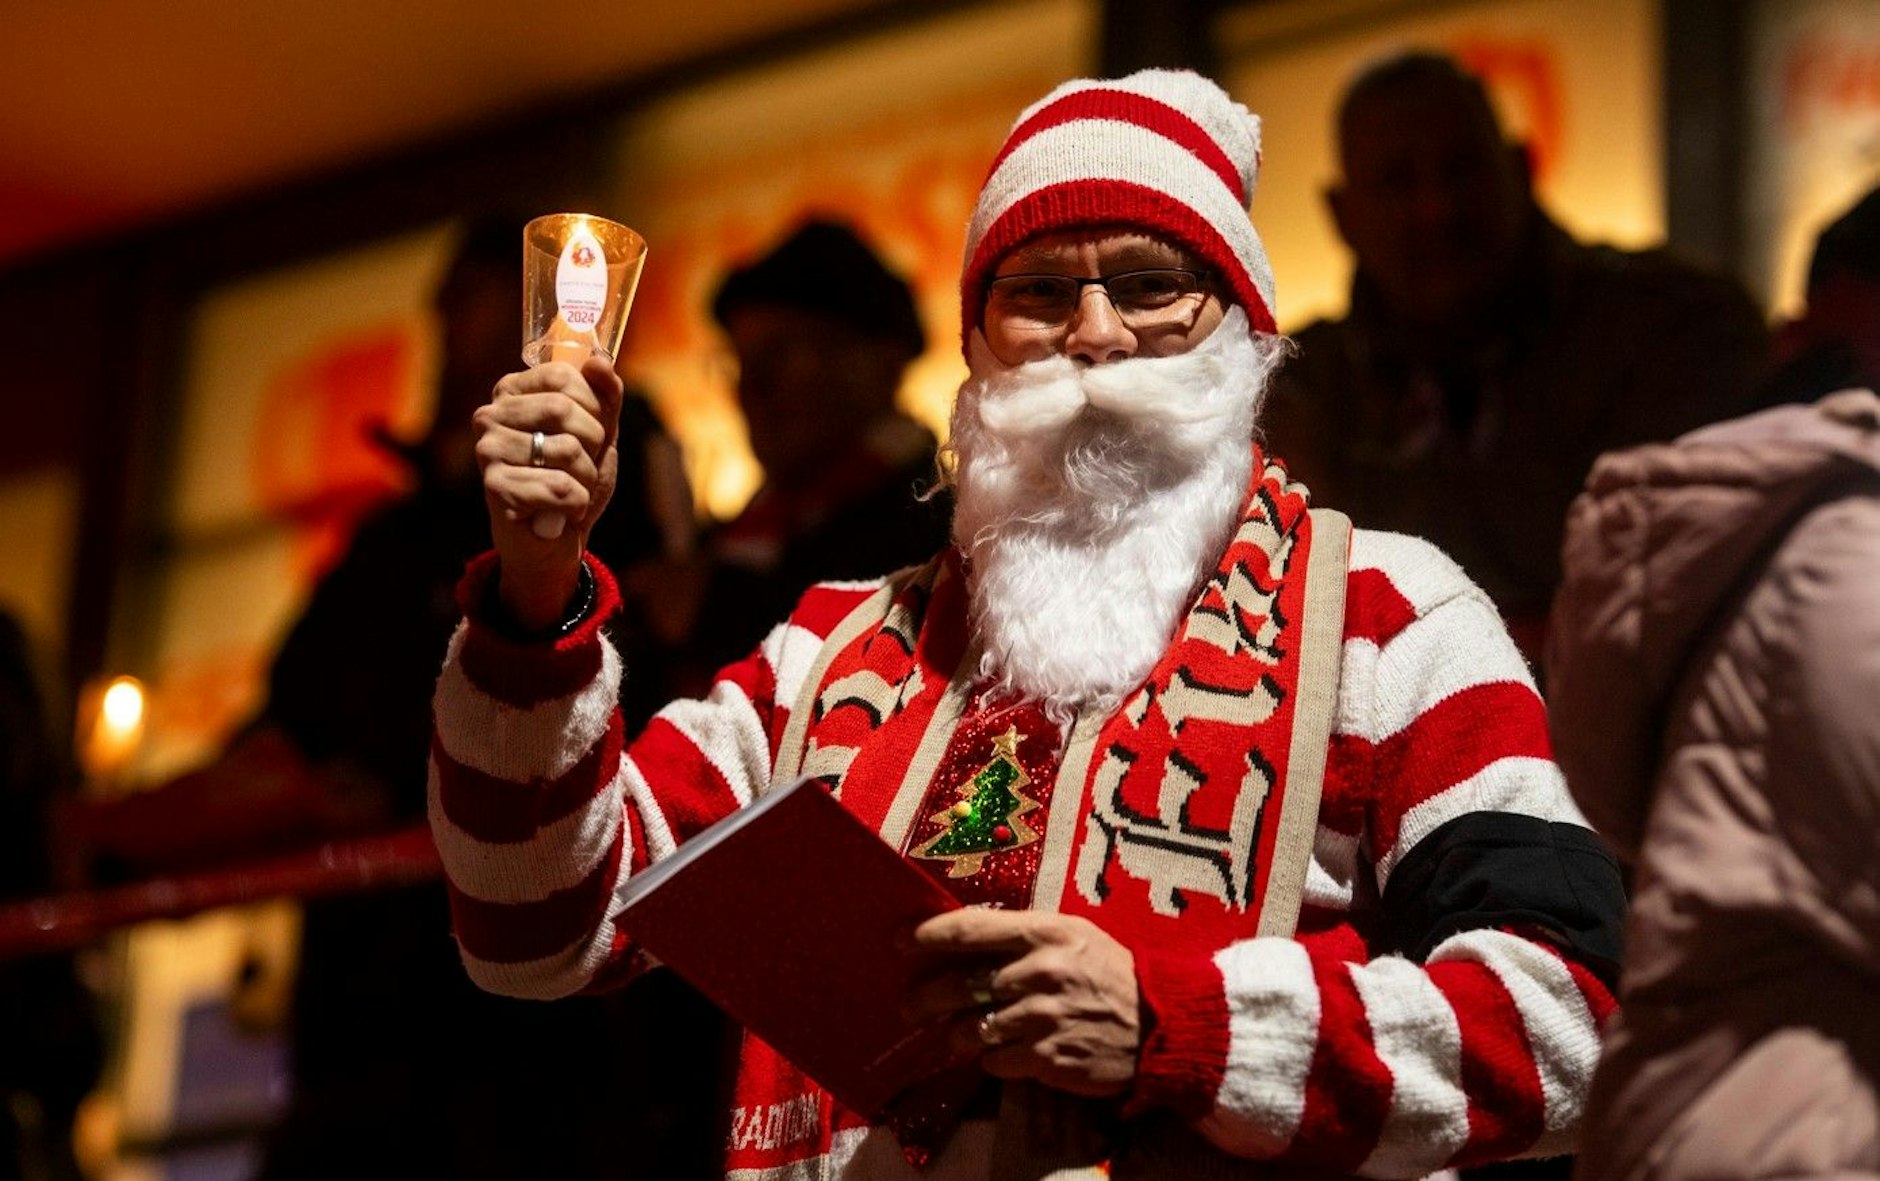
(1093, 501)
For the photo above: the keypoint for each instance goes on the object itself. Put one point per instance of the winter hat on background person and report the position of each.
(824, 266)
(1164, 151)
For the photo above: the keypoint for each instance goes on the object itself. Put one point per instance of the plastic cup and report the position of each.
(578, 278)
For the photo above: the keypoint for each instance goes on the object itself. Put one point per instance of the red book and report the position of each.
(786, 915)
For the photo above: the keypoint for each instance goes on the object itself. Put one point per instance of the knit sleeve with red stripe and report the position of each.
(1443, 1001)
(540, 806)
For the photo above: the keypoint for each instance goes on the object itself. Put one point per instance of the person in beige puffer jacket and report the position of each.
(1714, 688)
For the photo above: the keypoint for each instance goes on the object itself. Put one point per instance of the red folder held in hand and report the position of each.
(786, 915)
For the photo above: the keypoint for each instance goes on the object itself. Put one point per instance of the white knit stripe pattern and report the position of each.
(1357, 668)
(639, 794)
(551, 977)
(1562, 1035)
(729, 734)
(1416, 1035)
(1424, 665)
(1272, 1032)
(1521, 786)
(1124, 152)
(791, 650)
(1229, 124)
(1333, 870)
(1423, 574)
(521, 745)
(556, 857)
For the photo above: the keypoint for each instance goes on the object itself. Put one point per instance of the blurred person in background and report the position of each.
(821, 333)
(383, 1083)
(51, 1039)
(1715, 676)
(1835, 343)
(1486, 357)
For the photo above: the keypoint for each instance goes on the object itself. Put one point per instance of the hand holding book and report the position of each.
(1042, 996)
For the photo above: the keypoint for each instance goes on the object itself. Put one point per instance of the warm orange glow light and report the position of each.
(111, 729)
(124, 706)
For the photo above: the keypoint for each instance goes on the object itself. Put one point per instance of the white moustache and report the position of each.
(1042, 397)
(1183, 401)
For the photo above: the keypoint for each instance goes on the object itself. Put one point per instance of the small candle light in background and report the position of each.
(124, 705)
(111, 727)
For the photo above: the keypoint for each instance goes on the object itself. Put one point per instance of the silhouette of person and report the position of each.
(383, 1085)
(1835, 343)
(822, 332)
(51, 1041)
(1487, 357)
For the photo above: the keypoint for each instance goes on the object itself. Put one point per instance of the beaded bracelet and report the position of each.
(586, 592)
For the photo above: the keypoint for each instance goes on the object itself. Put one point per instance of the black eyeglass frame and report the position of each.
(1202, 280)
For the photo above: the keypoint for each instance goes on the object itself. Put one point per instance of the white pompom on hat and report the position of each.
(1166, 152)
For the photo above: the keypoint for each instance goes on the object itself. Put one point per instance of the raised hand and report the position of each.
(568, 477)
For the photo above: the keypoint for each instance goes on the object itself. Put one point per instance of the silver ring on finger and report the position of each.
(538, 450)
(988, 1027)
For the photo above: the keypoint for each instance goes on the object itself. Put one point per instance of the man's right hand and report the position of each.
(578, 413)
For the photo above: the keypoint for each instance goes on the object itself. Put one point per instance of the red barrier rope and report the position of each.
(61, 922)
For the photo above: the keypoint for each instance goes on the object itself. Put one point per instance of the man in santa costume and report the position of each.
(1287, 879)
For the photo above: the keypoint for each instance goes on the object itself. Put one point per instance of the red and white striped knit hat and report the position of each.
(1163, 151)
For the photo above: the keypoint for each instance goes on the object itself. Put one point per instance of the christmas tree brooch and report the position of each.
(988, 815)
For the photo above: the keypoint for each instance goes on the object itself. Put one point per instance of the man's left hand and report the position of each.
(1044, 996)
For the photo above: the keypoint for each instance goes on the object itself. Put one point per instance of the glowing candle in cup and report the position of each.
(579, 273)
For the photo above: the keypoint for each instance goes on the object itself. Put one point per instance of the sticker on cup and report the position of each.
(581, 280)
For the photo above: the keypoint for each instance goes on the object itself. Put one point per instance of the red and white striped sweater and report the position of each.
(1436, 1008)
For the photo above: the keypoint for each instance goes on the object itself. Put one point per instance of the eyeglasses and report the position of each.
(1162, 297)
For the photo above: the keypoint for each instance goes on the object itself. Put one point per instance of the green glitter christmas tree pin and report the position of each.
(987, 816)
